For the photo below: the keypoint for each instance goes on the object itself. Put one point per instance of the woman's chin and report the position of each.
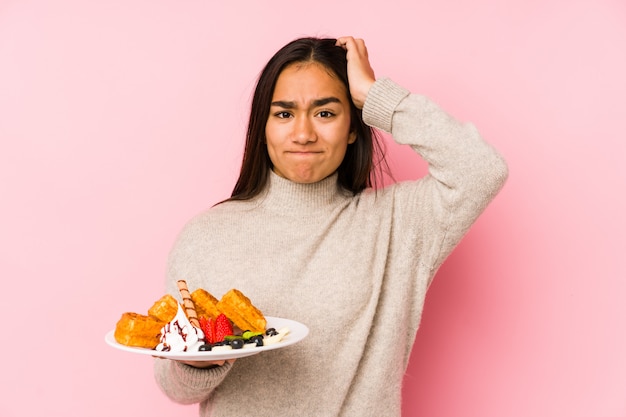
(302, 177)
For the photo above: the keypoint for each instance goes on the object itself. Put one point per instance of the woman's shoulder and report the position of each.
(208, 222)
(219, 211)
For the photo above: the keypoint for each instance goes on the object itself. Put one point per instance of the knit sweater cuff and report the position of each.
(200, 379)
(381, 102)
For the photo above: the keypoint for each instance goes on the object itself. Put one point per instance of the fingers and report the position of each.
(204, 364)
(360, 73)
(351, 44)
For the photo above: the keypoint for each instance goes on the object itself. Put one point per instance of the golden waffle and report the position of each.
(138, 331)
(238, 308)
(206, 304)
(164, 309)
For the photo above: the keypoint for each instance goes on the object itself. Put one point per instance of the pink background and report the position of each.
(119, 120)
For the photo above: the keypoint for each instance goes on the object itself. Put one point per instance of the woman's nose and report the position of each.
(304, 131)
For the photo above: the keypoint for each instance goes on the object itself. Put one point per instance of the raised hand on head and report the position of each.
(360, 73)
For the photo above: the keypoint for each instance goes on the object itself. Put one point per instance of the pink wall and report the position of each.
(121, 119)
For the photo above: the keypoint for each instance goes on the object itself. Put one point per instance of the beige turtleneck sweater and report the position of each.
(354, 269)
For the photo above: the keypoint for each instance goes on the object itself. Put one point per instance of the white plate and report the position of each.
(297, 332)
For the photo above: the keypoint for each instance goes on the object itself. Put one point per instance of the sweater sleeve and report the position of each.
(464, 172)
(185, 384)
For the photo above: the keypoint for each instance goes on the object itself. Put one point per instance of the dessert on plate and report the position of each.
(200, 323)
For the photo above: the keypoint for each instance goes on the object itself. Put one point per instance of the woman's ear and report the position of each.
(352, 137)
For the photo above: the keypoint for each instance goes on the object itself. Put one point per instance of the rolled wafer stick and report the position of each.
(190, 309)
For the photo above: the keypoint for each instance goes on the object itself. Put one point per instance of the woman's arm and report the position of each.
(185, 384)
(464, 172)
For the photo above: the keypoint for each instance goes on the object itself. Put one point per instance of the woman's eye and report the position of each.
(283, 115)
(325, 114)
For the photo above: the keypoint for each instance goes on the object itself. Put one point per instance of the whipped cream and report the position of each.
(179, 335)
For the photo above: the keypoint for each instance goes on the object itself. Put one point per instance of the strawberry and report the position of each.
(208, 328)
(223, 327)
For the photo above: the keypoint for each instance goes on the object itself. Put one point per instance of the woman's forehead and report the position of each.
(309, 80)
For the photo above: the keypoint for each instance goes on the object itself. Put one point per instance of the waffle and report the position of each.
(138, 330)
(206, 304)
(164, 309)
(238, 308)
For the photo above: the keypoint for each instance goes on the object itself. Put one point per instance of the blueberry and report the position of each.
(236, 343)
(205, 348)
(257, 339)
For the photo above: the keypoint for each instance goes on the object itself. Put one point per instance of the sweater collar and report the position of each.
(288, 196)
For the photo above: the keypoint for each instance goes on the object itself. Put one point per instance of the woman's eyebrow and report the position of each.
(323, 101)
(315, 103)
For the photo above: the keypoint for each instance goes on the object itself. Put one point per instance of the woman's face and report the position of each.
(308, 129)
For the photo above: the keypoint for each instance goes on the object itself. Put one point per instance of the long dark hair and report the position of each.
(356, 171)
